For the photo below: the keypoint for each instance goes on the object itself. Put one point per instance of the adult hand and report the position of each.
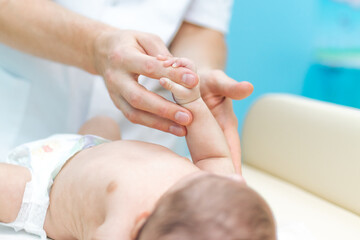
(218, 90)
(120, 57)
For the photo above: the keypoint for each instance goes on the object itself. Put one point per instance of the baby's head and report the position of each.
(210, 207)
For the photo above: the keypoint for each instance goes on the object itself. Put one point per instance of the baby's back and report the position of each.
(118, 180)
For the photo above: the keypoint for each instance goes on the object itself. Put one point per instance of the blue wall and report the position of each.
(271, 46)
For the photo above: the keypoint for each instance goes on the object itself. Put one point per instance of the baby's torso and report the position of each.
(119, 180)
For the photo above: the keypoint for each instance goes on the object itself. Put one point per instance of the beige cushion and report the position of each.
(301, 215)
(312, 144)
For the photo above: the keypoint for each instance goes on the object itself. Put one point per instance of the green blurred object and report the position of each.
(338, 34)
(345, 58)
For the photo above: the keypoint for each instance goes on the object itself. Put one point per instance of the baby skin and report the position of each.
(125, 190)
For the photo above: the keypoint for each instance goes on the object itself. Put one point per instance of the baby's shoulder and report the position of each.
(138, 148)
(140, 154)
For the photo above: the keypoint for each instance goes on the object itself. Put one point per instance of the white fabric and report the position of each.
(215, 15)
(44, 158)
(41, 98)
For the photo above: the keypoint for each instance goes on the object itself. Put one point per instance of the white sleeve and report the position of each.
(213, 14)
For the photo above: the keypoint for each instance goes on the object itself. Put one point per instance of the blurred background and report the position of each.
(308, 47)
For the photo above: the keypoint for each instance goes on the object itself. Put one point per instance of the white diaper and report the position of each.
(44, 159)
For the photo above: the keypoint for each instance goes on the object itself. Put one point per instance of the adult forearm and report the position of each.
(206, 47)
(45, 29)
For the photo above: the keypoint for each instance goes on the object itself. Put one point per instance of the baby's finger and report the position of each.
(182, 95)
(178, 63)
(167, 60)
(176, 89)
(184, 62)
(141, 64)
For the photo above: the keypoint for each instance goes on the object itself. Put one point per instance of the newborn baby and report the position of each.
(130, 190)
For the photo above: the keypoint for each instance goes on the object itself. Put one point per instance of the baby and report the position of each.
(130, 190)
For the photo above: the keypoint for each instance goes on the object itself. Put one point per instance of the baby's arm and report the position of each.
(205, 139)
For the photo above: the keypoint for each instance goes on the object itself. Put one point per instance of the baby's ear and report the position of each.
(139, 223)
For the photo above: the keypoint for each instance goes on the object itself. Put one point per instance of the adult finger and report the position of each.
(228, 87)
(233, 140)
(151, 67)
(227, 120)
(142, 99)
(144, 118)
(162, 57)
(153, 45)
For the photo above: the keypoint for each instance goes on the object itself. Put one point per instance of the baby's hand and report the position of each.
(182, 95)
(178, 62)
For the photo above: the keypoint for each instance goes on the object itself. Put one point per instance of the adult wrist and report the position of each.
(98, 49)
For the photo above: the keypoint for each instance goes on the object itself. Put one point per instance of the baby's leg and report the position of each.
(13, 180)
(103, 127)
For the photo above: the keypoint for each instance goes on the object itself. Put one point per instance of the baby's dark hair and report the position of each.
(210, 208)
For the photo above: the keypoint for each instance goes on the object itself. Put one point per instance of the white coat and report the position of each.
(39, 97)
